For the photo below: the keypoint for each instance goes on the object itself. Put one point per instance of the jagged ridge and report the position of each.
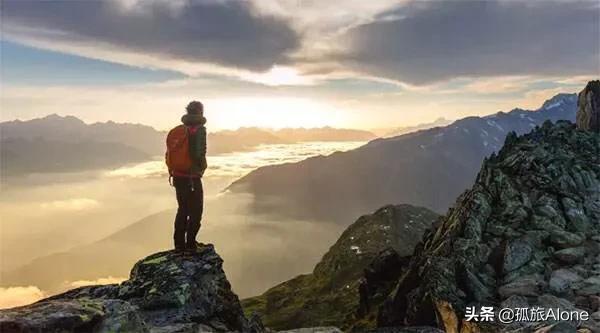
(526, 233)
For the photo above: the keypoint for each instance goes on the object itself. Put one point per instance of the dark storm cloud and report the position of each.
(223, 32)
(431, 41)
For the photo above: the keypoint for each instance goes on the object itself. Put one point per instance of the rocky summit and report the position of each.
(166, 292)
(353, 277)
(588, 107)
(526, 234)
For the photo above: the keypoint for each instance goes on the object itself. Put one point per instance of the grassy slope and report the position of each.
(329, 295)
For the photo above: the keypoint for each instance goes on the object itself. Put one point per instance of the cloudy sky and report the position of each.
(292, 63)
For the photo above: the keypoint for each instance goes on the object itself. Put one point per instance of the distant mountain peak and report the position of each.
(57, 117)
(558, 100)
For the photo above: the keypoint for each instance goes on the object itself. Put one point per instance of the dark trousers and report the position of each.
(190, 199)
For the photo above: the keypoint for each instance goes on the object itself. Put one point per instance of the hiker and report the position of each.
(186, 160)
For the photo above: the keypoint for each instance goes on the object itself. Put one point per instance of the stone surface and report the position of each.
(515, 301)
(563, 239)
(570, 255)
(526, 286)
(563, 327)
(166, 292)
(562, 279)
(314, 330)
(517, 253)
(416, 329)
(525, 233)
(588, 107)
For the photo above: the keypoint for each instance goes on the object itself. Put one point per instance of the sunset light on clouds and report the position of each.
(292, 63)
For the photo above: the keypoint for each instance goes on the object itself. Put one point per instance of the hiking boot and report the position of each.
(179, 249)
(191, 248)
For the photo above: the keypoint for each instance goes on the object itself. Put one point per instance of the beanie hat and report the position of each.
(195, 107)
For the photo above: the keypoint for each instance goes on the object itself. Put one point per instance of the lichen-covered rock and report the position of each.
(68, 315)
(166, 292)
(528, 232)
(588, 107)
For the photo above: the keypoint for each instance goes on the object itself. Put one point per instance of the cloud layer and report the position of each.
(415, 42)
(437, 40)
(227, 33)
(17, 296)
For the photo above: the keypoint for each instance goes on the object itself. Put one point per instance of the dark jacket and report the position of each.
(197, 142)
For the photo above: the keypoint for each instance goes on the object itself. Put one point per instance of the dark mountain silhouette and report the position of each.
(427, 168)
(64, 144)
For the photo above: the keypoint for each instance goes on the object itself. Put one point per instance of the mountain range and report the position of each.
(125, 242)
(525, 235)
(65, 143)
(441, 121)
(428, 168)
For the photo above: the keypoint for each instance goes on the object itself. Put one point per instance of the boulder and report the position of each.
(166, 292)
(570, 255)
(589, 286)
(517, 253)
(563, 239)
(588, 107)
(561, 280)
(563, 327)
(526, 286)
(514, 302)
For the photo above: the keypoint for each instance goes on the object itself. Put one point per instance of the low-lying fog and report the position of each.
(79, 213)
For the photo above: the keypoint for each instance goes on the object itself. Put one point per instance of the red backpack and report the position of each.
(177, 156)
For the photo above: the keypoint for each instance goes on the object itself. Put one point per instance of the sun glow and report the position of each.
(277, 112)
(279, 76)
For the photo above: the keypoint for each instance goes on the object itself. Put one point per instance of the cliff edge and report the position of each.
(166, 292)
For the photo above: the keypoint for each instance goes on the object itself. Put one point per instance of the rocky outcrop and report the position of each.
(166, 292)
(378, 280)
(354, 277)
(588, 107)
(527, 233)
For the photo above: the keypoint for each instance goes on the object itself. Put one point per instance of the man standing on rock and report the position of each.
(186, 160)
